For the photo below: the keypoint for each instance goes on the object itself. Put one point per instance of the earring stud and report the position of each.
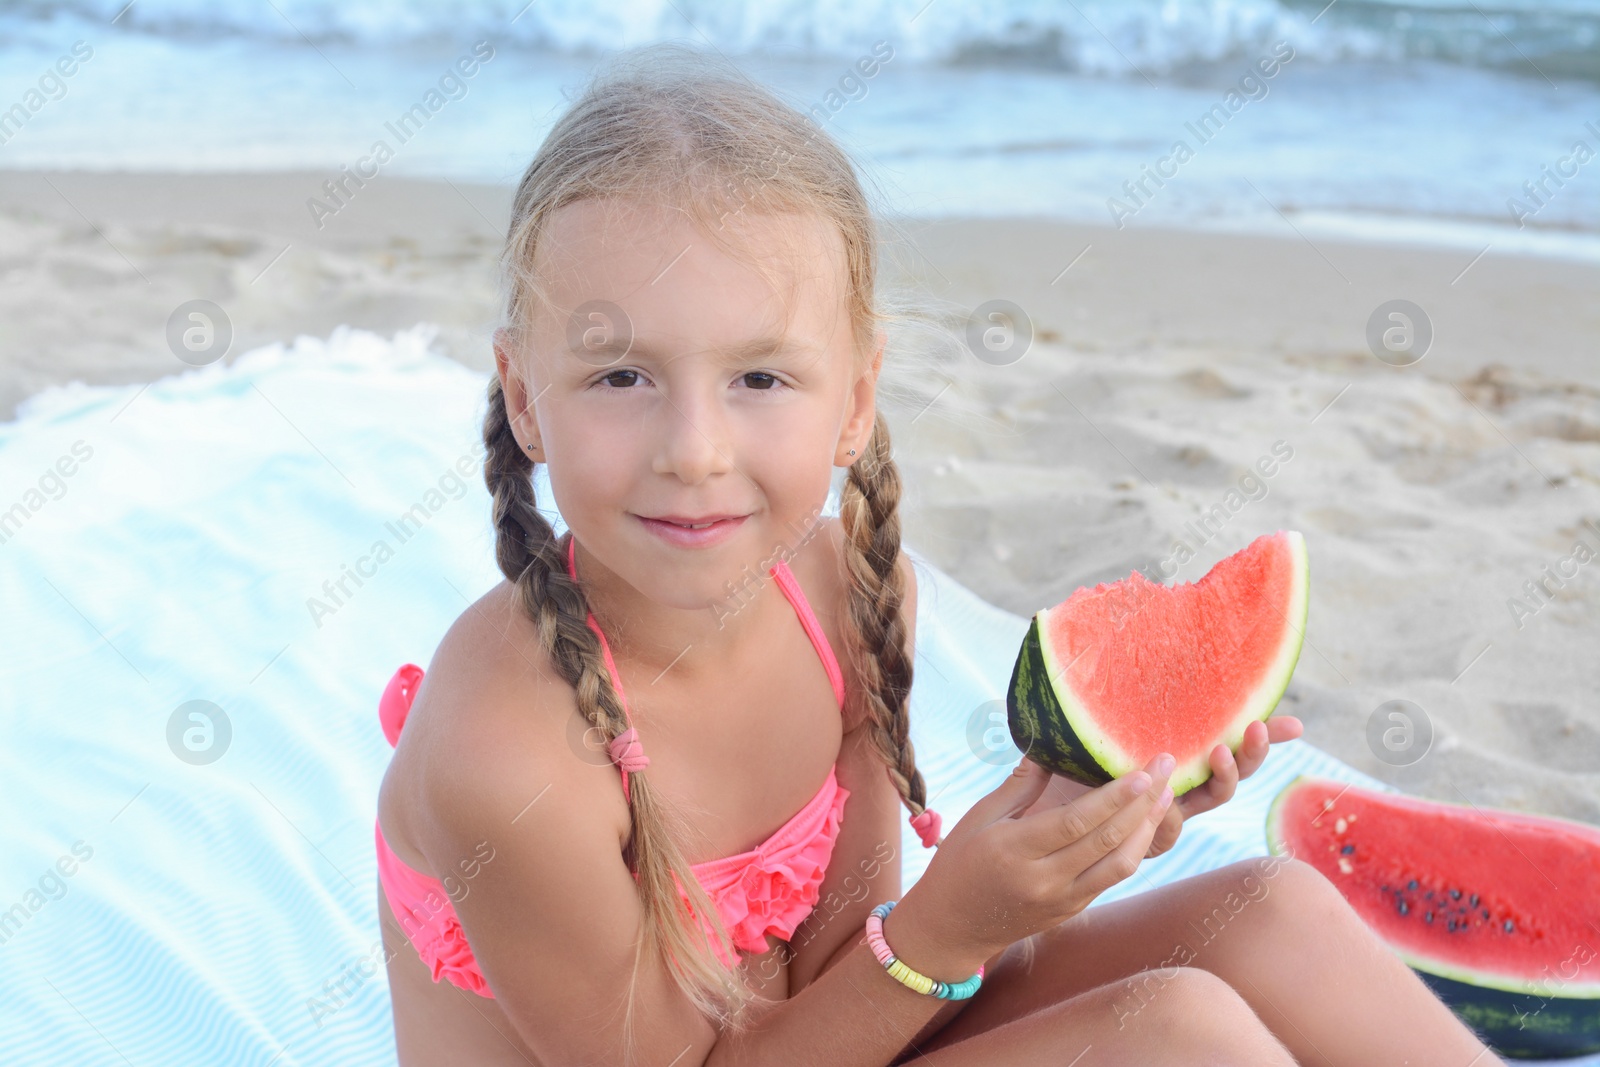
(852, 451)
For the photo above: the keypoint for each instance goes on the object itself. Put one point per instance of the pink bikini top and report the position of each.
(769, 889)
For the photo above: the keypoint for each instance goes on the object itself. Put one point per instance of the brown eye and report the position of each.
(619, 374)
(765, 381)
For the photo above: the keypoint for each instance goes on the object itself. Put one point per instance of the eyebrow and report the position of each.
(755, 350)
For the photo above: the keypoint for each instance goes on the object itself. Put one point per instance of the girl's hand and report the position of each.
(1007, 871)
(1225, 776)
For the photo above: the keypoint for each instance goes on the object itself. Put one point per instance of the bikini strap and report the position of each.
(808, 619)
(625, 750)
(927, 823)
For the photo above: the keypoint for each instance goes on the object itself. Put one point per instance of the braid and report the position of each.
(869, 510)
(530, 556)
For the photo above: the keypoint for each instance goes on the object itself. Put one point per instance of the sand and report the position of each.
(1169, 373)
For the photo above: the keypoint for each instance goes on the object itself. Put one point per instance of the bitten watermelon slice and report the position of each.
(1114, 675)
(1498, 911)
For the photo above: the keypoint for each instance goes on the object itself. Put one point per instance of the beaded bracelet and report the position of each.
(905, 975)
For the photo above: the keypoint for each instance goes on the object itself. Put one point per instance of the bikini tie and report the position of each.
(927, 827)
(626, 751)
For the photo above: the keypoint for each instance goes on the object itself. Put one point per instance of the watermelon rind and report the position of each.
(1060, 750)
(1514, 1017)
(1069, 742)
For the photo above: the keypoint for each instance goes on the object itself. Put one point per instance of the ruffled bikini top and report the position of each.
(769, 889)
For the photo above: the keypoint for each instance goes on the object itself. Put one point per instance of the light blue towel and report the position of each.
(187, 541)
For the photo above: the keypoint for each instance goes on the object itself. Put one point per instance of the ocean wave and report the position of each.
(1129, 38)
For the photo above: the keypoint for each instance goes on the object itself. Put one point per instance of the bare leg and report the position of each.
(1286, 941)
(1199, 1022)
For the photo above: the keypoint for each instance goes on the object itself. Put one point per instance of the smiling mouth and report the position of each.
(691, 524)
(688, 531)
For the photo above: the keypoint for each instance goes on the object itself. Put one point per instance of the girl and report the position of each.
(601, 837)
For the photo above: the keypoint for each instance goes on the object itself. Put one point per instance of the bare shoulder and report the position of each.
(909, 604)
(550, 909)
(493, 723)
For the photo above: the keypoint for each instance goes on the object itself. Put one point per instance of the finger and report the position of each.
(1215, 789)
(1125, 821)
(1133, 828)
(1167, 831)
(1257, 737)
(1252, 753)
(1054, 828)
(1024, 785)
(1284, 728)
(1226, 773)
(1224, 776)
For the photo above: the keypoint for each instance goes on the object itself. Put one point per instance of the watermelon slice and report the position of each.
(1497, 911)
(1114, 675)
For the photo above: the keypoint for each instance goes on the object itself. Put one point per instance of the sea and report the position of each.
(1443, 123)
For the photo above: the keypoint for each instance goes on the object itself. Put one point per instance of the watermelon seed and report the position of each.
(1485, 913)
(1455, 894)
(1429, 894)
(1411, 884)
(1473, 900)
(1403, 908)
(1451, 926)
(1347, 850)
(1427, 916)
(1508, 926)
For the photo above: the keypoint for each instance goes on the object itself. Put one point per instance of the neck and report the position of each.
(663, 640)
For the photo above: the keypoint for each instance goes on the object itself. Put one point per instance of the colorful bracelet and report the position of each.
(905, 975)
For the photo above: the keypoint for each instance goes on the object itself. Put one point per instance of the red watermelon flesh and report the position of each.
(1131, 668)
(1536, 878)
(1499, 911)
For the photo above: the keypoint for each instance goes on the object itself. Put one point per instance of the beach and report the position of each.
(1450, 500)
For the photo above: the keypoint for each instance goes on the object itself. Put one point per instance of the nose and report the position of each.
(694, 435)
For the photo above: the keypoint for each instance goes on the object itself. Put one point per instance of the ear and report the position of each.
(861, 410)
(519, 407)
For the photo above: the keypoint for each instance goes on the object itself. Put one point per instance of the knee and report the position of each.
(1198, 992)
(1180, 997)
(1304, 894)
(1284, 886)
(1198, 1012)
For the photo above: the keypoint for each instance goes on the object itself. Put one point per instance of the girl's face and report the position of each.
(672, 378)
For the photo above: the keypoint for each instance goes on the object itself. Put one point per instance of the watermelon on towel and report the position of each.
(1114, 675)
(1497, 911)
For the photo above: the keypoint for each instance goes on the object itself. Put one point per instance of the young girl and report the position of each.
(602, 839)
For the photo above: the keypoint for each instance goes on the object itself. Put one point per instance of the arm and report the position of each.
(843, 1010)
(554, 920)
(854, 1015)
(870, 838)
(834, 979)
(867, 862)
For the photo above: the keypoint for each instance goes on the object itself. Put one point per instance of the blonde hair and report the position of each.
(666, 124)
